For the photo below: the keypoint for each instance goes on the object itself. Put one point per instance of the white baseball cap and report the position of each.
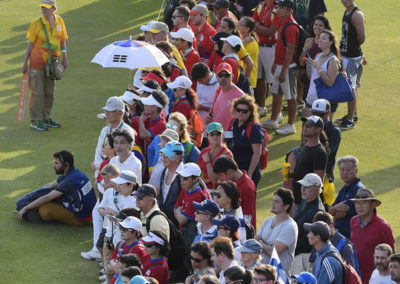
(184, 34)
(114, 103)
(180, 82)
(232, 40)
(153, 238)
(132, 223)
(311, 179)
(125, 177)
(129, 97)
(190, 169)
(321, 106)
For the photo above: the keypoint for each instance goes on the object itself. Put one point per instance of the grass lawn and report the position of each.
(50, 253)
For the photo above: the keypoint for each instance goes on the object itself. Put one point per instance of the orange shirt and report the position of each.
(35, 34)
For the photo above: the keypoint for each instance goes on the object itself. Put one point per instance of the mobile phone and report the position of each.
(308, 54)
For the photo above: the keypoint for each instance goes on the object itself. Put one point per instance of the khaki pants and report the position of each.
(41, 101)
(300, 263)
(53, 211)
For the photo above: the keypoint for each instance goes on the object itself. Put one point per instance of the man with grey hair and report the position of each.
(311, 187)
(381, 274)
(343, 209)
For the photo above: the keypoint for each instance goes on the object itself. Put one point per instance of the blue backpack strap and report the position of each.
(340, 245)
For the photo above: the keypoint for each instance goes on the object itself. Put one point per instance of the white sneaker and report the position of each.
(103, 278)
(262, 111)
(270, 124)
(101, 264)
(286, 129)
(280, 117)
(102, 271)
(92, 254)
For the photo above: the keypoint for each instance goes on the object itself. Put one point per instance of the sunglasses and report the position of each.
(244, 111)
(148, 245)
(196, 259)
(215, 133)
(173, 127)
(224, 75)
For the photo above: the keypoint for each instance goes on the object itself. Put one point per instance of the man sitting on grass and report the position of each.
(69, 199)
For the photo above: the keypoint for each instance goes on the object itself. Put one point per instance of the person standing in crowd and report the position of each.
(245, 144)
(311, 188)
(341, 243)
(381, 274)
(222, 255)
(206, 211)
(368, 230)
(306, 11)
(353, 36)
(69, 199)
(217, 148)
(343, 209)
(285, 71)
(250, 253)
(221, 11)
(322, 108)
(227, 170)
(203, 32)
(279, 231)
(186, 100)
(266, 25)
(180, 18)
(206, 89)
(184, 43)
(224, 97)
(41, 86)
(200, 257)
(327, 267)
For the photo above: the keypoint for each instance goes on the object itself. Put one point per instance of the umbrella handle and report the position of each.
(159, 12)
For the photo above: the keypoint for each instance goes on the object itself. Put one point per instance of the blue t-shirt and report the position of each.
(77, 193)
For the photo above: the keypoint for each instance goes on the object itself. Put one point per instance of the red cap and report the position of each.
(224, 67)
(152, 76)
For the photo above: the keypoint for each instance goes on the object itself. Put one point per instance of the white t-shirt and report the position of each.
(165, 186)
(132, 164)
(98, 155)
(156, 172)
(119, 203)
(286, 233)
(206, 94)
(376, 278)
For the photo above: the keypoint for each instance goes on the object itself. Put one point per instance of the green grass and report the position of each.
(50, 253)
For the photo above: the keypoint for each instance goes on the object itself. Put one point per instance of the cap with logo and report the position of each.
(152, 238)
(132, 223)
(314, 120)
(224, 67)
(114, 103)
(321, 106)
(311, 179)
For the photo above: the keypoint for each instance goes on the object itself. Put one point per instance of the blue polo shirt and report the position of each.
(77, 193)
(346, 193)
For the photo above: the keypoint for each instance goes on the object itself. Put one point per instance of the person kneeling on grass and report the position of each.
(69, 199)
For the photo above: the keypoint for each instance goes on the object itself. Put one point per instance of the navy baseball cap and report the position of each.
(229, 221)
(145, 190)
(208, 206)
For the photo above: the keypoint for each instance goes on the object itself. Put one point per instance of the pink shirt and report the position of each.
(222, 106)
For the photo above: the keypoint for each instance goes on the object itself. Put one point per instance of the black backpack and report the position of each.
(300, 45)
(250, 232)
(176, 256)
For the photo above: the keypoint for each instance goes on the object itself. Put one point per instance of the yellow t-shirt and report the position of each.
(35, 34)
(253, 49)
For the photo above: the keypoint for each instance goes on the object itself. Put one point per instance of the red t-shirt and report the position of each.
(135, 248)
(157, 268)
(214, 60)
(248, 195)
(155, 126)
(186, 199)
(205, 45)
(203, 166)
(366, 238)
(182, 105)
(190, 59)
(103, 164)
(292, 36)
(267, 17)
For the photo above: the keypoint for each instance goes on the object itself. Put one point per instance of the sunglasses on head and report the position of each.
(224, 75)
(196, 259)
(215, 133)
(244, 111)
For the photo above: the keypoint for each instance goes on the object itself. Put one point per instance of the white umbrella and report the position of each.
(130, 54)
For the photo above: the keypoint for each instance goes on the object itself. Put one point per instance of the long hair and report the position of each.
(334, 46)
(232, 192)
(192, 98)
(323, 19)
(250, 103)
(181, 119)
